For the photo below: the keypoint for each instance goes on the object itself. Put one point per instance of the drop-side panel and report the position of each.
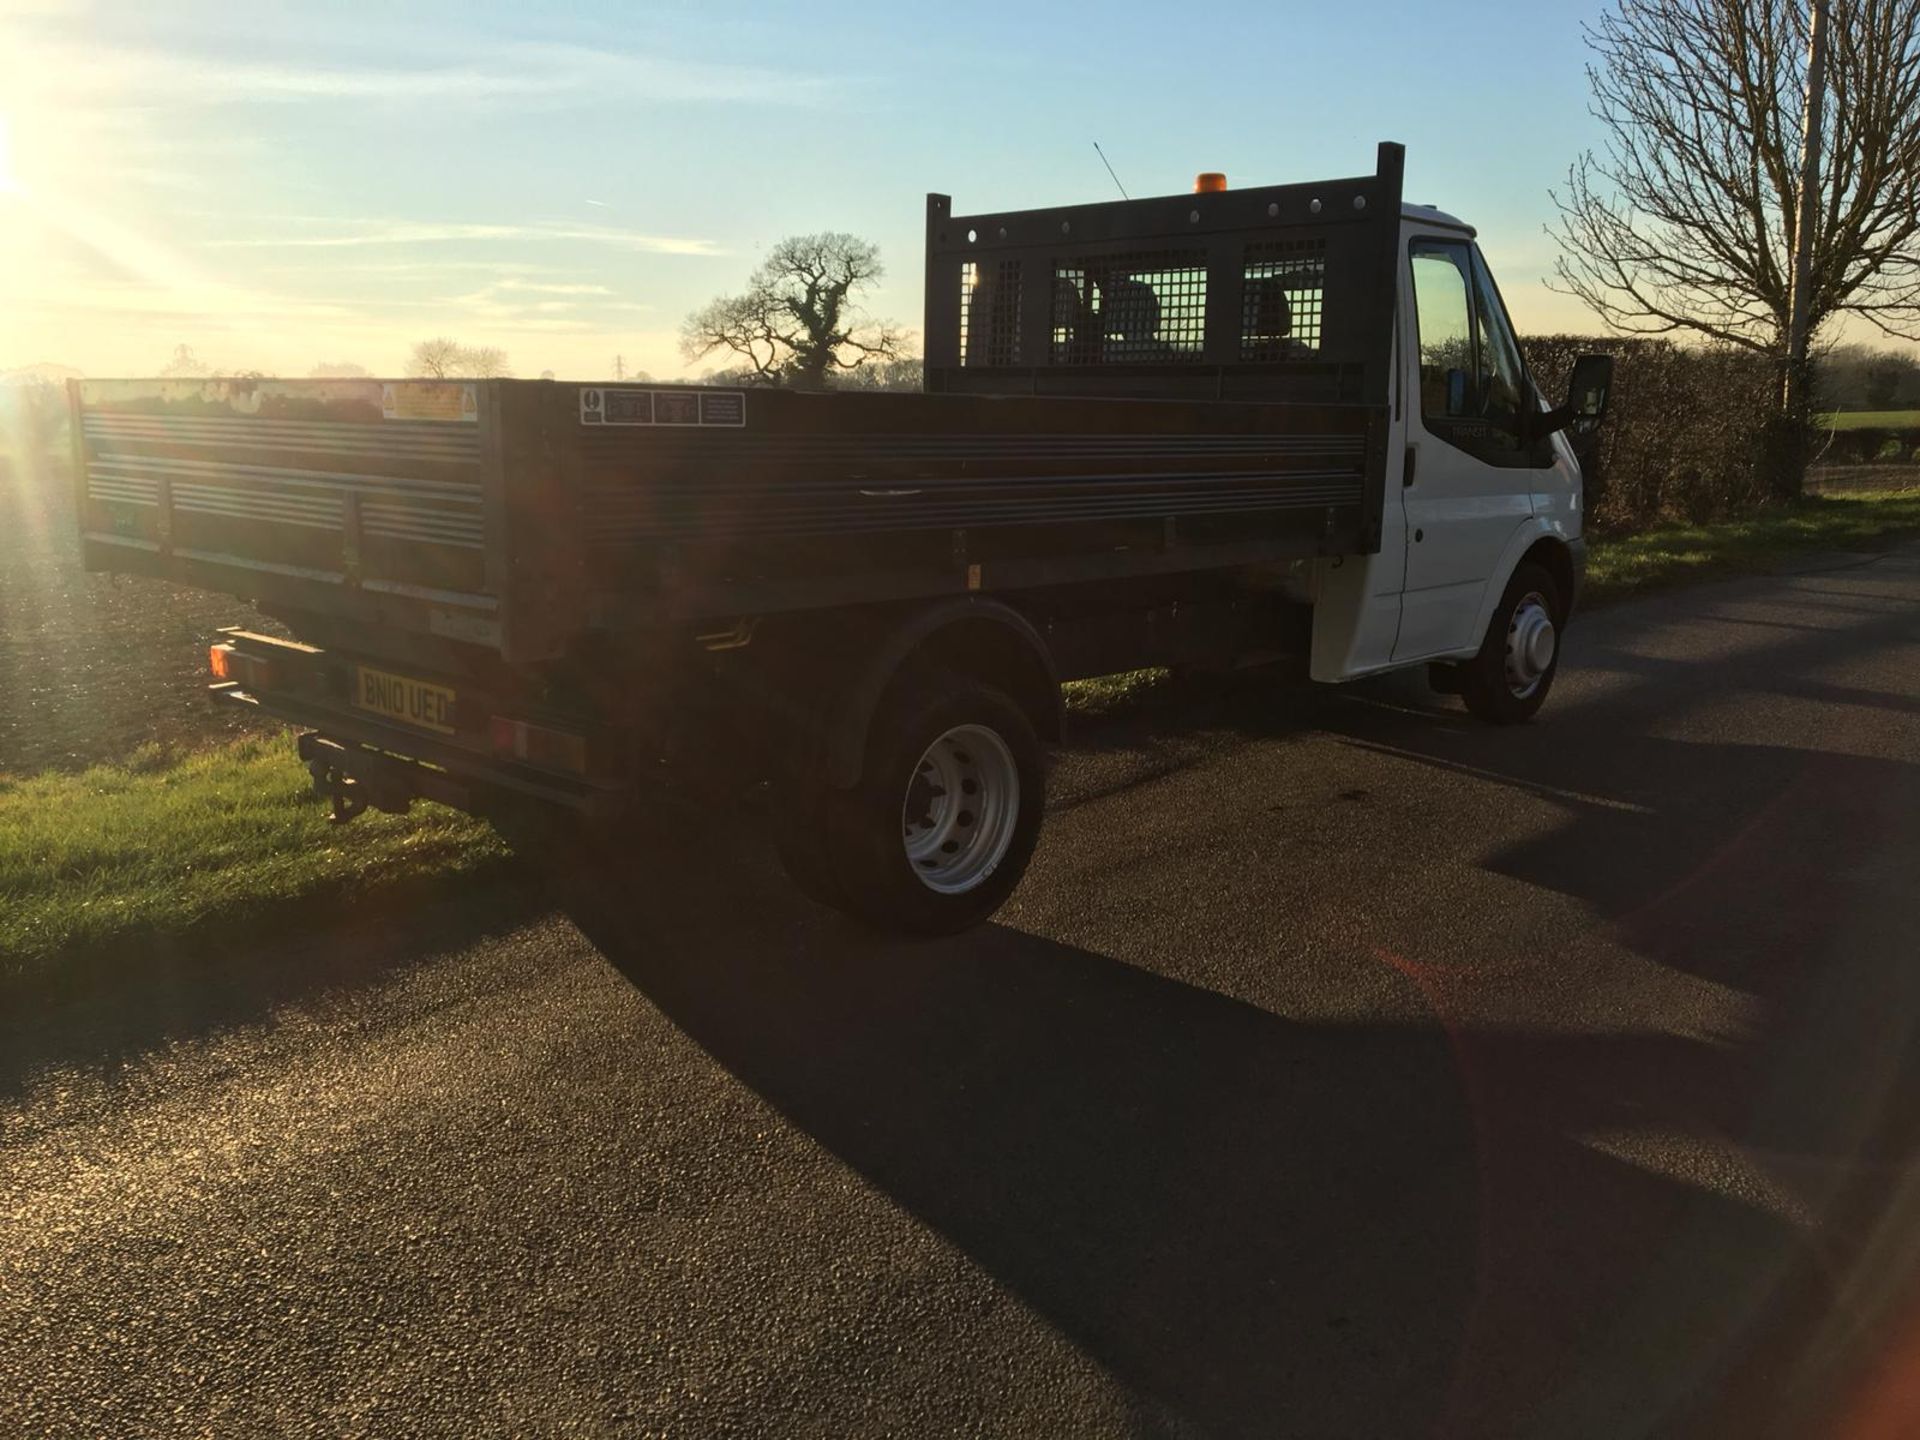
(799, 495)
(335, 497)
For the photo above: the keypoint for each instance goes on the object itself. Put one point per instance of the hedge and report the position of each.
(1691, 434)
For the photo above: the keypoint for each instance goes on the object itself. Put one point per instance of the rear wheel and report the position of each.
(940, 828)
(1508, 681)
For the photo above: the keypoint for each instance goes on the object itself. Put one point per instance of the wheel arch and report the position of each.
(1540, 543)
(1553, 555)
(985, 639)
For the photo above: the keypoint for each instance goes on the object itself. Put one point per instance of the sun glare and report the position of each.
(7, 183)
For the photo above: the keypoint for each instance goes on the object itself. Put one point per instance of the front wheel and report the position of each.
(1508, 681)
(940, 828)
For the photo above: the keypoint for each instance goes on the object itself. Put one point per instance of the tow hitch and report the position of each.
(342, 792)
(347, 795)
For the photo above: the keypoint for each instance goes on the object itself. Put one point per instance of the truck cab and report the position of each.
(1482, 486)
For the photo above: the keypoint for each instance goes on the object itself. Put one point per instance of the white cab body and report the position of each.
(1467, 501)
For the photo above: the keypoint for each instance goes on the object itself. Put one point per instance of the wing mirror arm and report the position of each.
(1550, 422)
(1588, 391)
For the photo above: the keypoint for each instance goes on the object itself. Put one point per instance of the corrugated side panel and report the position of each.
(810, 465)
(354, 483)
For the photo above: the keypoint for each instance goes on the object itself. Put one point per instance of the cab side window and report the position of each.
(1442, 287)
(1501, 371)
(1473, 386)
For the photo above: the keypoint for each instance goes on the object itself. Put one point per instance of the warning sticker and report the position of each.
(600, 405)
(723, 407)
(675, 407)
(429, 400)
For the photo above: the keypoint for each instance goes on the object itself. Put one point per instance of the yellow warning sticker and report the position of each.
(429, 400)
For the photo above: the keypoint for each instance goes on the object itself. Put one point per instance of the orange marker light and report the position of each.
(219, 659)
(1209, 181)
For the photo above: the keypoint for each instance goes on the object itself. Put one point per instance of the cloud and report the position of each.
(529, 303)
(504, 271)
(418, 232)
(541, 288)
(543, 75)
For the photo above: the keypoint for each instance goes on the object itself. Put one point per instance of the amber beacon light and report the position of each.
(1208, 181)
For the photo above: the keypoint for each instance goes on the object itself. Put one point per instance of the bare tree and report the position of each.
(185, 365)
(485, 362)
(799, 320)
(444, 359)
(436, 359)
(1688, 219)
(337, 370)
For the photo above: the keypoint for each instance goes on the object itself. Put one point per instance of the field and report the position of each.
(93, 666)
(1871, 420)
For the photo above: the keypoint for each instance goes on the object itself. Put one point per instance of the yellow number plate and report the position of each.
(399, 697)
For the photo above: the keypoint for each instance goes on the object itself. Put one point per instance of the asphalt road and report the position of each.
(1344, 1068)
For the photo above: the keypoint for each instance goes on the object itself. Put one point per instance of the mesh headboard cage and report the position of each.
(1280, 292)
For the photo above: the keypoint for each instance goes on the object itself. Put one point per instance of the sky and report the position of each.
(280, 186)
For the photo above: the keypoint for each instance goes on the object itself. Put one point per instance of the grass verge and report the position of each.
(183, 849)
(1108, 694)
(1667, 555)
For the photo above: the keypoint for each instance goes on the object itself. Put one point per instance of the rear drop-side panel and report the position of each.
(320, 494)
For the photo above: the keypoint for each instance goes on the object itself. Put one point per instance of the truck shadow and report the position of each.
(1706, 854)
(1261, 1226)
(1257, 1226)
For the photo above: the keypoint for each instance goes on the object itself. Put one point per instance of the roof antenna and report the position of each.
(1109, 164)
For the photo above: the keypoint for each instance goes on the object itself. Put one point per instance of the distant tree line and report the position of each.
(1860, 377)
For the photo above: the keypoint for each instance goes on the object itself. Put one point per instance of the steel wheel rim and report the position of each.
(1532, 643)
(961, 807)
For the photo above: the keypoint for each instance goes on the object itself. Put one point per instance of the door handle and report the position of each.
(1406, 475)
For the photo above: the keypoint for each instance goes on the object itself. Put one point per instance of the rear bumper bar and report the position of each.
(385, 763)
(342, 770)
(367, 753)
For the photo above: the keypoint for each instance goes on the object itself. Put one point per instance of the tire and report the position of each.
(930, 737)
(800, 810)
(1508, 681)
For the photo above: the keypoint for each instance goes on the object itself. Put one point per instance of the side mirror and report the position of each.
(1590, 388)
(1588, 391)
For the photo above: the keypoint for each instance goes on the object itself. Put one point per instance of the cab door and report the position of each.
(1469, 477)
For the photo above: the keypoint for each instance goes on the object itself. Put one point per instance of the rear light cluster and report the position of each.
(249, 672)
(538, 745)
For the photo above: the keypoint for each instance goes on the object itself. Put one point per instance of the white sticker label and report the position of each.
(690, 405)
